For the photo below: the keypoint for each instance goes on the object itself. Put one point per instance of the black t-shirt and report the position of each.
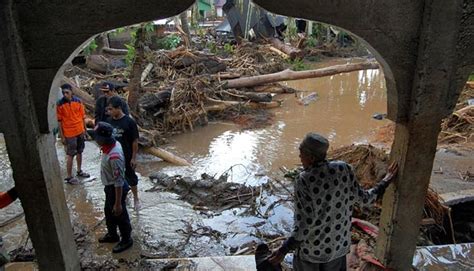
(125, 131)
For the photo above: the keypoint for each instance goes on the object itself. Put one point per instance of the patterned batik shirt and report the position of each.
(324, 199)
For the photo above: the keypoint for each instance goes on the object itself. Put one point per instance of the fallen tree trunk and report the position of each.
(113, 51)
(167, 156)
(253, 97)
(223, 105)
(291, 51)
(274, 88)
(292, 75)
(97, 63)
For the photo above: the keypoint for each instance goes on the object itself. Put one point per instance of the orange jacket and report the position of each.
(71, 116)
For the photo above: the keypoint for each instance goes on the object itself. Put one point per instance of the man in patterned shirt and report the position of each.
(325, 193)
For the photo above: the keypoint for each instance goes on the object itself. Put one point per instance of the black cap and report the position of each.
(103, 133)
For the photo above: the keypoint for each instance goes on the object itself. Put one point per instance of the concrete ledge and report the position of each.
(227, 263)
(453, 198)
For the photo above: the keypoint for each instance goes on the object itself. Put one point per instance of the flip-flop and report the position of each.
(71, 180)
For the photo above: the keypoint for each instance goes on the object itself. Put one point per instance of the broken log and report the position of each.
(226, 75)
(223, 105)
(97, 63)
(274, 88)
(167, 156)
(278, 52)
(145, 73)
(113, 51)
(291, 51)
(292, 75)
(253, 97)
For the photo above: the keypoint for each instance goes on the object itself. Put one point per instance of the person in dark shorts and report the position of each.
(126, 132)
(112, 175)
(70, 114)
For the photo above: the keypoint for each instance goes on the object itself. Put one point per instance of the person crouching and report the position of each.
(112, 173)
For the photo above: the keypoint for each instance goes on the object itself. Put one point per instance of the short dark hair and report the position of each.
(115, 102)
(66, 86)
(107, 85)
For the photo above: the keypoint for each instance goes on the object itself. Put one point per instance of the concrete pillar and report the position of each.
(32, 155)
(437, 76)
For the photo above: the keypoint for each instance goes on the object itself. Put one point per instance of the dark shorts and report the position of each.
(130, 175)
(75, 145)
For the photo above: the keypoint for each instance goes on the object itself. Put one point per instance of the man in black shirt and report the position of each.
(108, 91)
(126, 132)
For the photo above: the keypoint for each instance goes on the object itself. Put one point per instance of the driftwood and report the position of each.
(278, 52)
(291, 51)
(292, 75)
(253, 97)
(226, 75)
(223, 105)
(97, 63)
(145, 73)
(113, 51)
(167, 156)
(274, 88)
(104, 65)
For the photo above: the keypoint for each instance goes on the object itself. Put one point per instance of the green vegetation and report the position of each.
(471, 77)
(297, 64)
(212, 46)
(90, 47)
(169, 42)
(229, 48)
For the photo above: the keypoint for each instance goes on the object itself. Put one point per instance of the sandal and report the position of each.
(71, 180)
(83, 174)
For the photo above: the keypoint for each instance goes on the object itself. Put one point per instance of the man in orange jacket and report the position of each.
(5, 199)
(71, 114)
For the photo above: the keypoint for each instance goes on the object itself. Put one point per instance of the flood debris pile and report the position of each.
(459, 126)
(182, 88)
(207, 193)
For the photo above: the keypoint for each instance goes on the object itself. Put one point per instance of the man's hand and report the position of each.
(117, 210)
(86, 136)
(63, 140)
(276, 258)
(392, 172)
(133, 163)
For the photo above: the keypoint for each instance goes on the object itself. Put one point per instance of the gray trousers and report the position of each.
(338, 264)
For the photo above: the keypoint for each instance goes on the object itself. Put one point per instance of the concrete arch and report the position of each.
(425, 48)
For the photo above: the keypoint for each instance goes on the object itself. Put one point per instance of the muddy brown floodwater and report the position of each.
(342, 112)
